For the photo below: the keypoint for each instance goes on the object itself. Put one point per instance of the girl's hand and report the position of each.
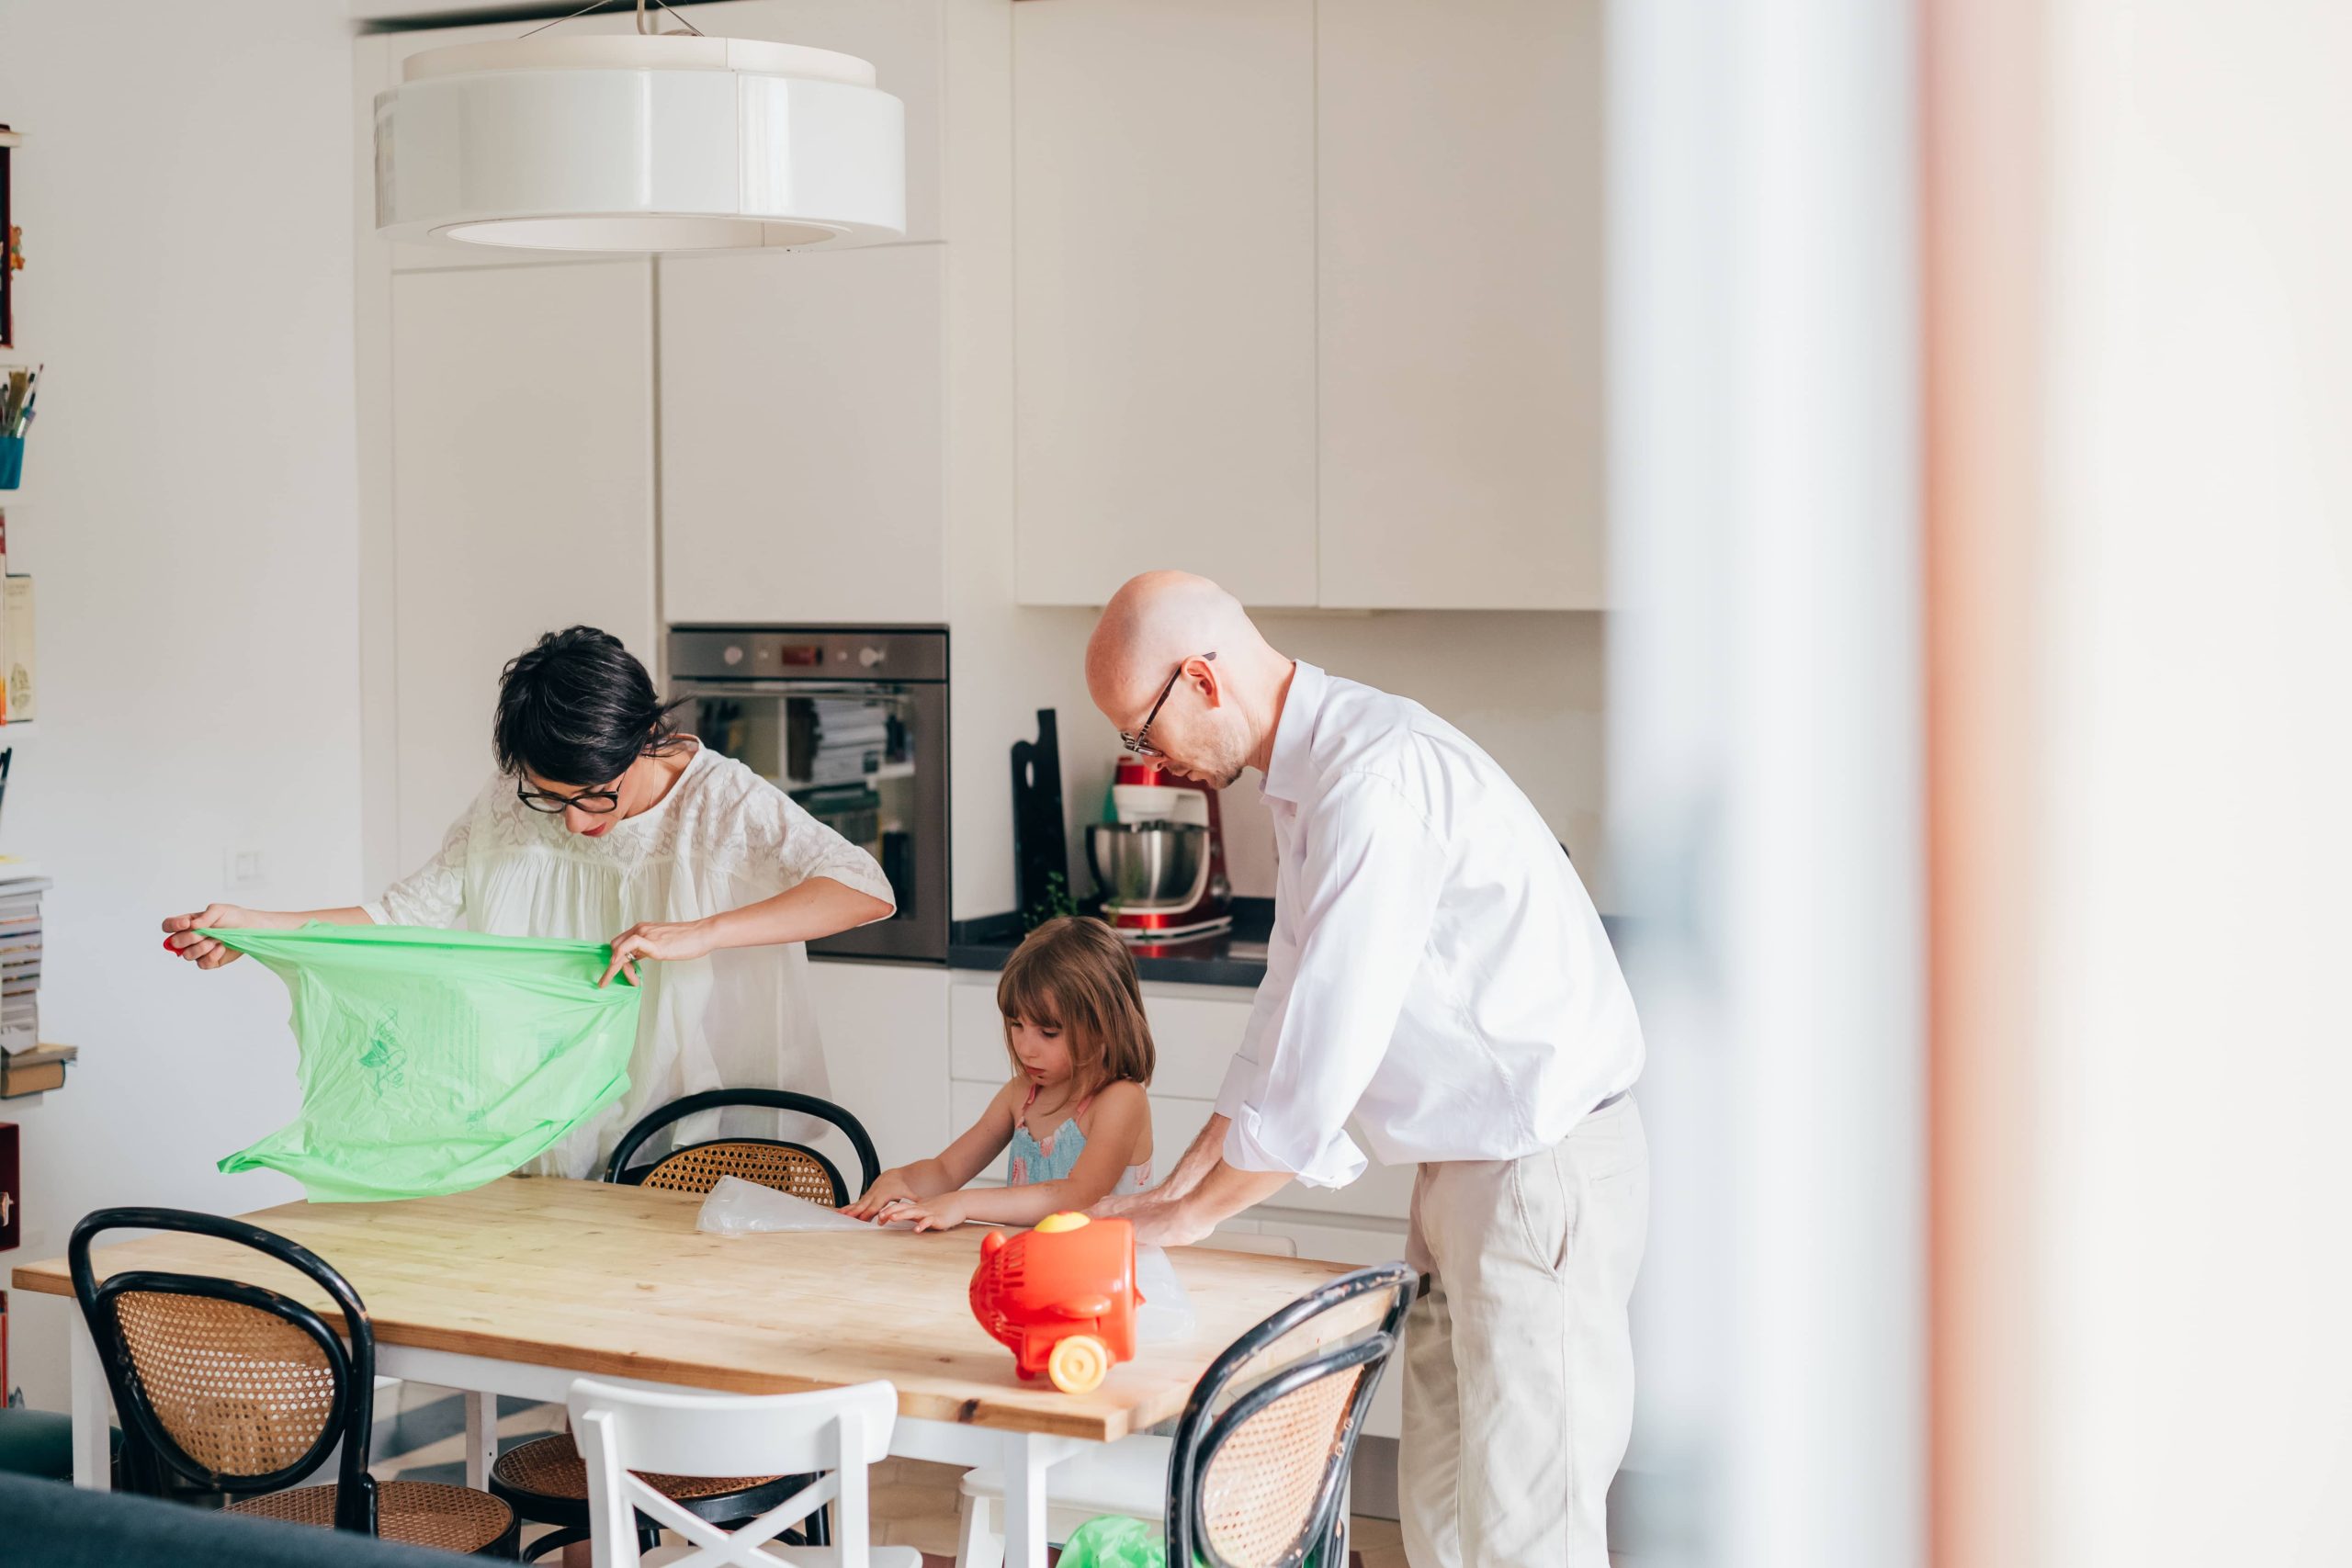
(206, 954)
(943, 1213)
(666, 943)
(891, 1187)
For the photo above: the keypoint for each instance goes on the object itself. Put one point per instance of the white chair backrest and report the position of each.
(837, 1431)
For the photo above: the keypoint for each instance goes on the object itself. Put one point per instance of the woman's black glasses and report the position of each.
(596, 802)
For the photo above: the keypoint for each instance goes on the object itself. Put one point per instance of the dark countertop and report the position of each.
(1237, 957)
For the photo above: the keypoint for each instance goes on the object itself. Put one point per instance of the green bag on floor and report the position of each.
(1113, 1542)
(433, 1061)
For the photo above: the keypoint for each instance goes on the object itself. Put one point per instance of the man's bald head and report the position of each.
(1151, 623)
(1163, 620)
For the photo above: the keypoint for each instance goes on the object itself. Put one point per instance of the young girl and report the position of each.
(1074, 1113)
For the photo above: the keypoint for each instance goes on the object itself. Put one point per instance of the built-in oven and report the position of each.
(851, 722)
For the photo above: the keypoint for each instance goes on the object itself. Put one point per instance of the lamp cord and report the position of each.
(642, 19)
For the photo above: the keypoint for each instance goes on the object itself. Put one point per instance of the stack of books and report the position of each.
(19, 959)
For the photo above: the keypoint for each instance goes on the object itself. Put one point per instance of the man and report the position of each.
(1438, 972)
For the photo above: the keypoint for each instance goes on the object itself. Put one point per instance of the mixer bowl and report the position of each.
(1147, 867)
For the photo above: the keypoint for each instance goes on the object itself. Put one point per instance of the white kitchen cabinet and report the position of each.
(802, 400)
(885, 1028)
(1458, 198)
(521, 499)
(1418, 424)
(1164, 288)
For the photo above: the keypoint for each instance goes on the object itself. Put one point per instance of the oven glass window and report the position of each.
(846, 754)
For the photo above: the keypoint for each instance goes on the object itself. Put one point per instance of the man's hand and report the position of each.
(1170, 1223)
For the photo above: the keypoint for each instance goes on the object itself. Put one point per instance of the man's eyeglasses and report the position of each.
(596, 802)
(1140, 740)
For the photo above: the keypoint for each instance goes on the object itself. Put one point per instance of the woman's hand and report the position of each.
(206, 954)
(891, 1187)
(664, 943)
(943, 1213)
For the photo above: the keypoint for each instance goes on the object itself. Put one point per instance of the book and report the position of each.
(17, 643)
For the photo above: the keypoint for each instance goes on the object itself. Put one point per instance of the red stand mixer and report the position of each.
(1160, 862)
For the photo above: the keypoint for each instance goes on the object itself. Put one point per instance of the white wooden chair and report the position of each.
(626, 1434)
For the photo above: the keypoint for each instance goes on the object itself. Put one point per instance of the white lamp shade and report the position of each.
(636, 144)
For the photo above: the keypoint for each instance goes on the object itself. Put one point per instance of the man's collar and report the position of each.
(1290, 768)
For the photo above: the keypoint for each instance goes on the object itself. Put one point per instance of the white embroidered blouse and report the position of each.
(722, 837)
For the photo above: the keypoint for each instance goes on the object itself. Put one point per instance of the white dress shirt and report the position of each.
(1436, 969)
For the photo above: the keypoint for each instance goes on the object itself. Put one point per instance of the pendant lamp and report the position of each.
(640, 142)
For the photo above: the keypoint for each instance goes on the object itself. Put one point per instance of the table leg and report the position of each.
(481, 1437)
(1026, 1457)
(93, 1412)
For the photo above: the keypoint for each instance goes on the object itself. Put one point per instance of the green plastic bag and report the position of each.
(433, 1061)
(1113, 1542)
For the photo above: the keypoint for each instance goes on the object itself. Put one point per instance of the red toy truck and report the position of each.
(1062, 1297)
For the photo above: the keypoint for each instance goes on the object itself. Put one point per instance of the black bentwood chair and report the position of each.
(1258, 1463)
(246, 1392)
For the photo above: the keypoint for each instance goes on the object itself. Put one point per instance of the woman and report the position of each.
(602, 819)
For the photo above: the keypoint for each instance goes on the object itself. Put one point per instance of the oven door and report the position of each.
(868, 759)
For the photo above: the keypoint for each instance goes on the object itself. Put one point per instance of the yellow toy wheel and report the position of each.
(1079, 1364)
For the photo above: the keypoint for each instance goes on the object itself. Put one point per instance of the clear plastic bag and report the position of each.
(737, 1207)
(1167, 1310)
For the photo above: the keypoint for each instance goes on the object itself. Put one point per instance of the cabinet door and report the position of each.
(1164, 263)
(884, 1027)
(801, 436)
(1459, 298)
(522, 497)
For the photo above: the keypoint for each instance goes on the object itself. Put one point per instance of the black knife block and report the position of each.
(1040, 842)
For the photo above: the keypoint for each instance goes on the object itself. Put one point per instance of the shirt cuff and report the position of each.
(377, 913)
(1251, 1145)
(1240, 1082)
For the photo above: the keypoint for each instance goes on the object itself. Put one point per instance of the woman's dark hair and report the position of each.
(577, 708)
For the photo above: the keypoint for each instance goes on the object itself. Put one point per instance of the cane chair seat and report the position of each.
(415, 1513)
(551, 1468)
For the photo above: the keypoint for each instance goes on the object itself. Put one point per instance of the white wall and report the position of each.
(190, 515)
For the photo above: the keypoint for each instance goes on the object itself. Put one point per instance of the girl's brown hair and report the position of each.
(1075, 972)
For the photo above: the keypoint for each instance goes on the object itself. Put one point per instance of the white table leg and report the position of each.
(481, 1437)
(1026, 1457)
(93, 1412)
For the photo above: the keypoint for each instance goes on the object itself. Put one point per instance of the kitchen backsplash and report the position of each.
(1528, 686)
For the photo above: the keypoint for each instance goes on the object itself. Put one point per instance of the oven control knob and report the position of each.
(870, 657)
(734, 654)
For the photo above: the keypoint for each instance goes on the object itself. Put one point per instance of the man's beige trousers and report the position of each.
(1519, 1370)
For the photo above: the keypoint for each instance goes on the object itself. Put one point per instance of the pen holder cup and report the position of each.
(12, 460)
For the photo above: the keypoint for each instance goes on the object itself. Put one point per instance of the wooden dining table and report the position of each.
(519, 1286)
